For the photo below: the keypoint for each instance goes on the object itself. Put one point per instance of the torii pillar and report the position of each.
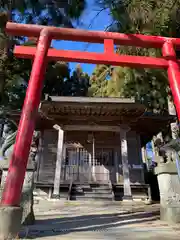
(11, 212)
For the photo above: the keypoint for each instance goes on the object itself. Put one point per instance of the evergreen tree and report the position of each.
(77, 84)
(44, 12)
(98, 83)
(146, 17)
(14, 73)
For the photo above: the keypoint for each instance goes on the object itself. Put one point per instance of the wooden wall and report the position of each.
(134, 157)
(47, 159)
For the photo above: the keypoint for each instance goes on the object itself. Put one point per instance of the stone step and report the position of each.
(92, 190)
(91, 198)
(93, 187)
(92, 194)
(103, 188)
(101, 192)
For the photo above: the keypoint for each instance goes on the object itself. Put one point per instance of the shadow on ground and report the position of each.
(86, 223)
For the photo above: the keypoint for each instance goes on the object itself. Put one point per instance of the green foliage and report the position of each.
(106, 81)
(153, 17)
(45, 12)
(15, 73)
(98, 81)
(58, 81)
(143, 16)
(77, 84)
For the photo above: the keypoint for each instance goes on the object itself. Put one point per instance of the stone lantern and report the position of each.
(168, 175)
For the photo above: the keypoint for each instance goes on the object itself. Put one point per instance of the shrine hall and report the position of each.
(91, 147)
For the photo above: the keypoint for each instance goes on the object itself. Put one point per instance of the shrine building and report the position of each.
(91, 148)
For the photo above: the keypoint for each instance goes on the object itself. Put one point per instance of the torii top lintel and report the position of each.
(138, 40)
(107, 38)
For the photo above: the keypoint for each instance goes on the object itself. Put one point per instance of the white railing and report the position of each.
(85, 173)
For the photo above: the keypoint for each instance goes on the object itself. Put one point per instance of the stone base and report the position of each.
(10, 222)
(148, 201)
(127, 198)
(26, 203)
(170, 214)
(168, 181)
(55, 196)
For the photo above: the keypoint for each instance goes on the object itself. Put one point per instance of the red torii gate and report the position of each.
(14, 181)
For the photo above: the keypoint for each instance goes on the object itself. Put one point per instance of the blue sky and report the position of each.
(88, 21)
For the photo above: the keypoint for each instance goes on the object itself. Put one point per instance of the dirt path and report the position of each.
(88, 220)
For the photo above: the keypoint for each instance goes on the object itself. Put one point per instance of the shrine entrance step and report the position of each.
(92, 192)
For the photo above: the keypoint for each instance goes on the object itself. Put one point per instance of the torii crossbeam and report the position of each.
(14, 182)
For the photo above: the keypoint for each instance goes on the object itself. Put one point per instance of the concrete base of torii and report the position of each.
(10, 222)
(12, 218)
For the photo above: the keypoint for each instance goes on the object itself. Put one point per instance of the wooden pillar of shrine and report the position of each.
(57, 177)
(125, 164)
